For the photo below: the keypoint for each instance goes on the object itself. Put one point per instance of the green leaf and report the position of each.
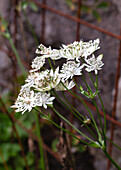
(30, 158)
(9, 150)
(86, 9)
(70, 4)
(81, 148)
(19, 163)
(96, 15)
(94, 144)
(33, 6)
(2, 167)
(24, 5)
(53, 145)
(103, 5)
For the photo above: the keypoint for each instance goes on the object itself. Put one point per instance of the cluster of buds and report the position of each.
(40, 81)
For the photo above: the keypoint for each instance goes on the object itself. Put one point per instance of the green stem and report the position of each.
(71, 125)
(96, 109)
(71, 106)
(17, 56)
(86, 108)
(50, 63)
(40, 141)
(96, 87)
(61, 127)
(110, 158)
(31, 28)
(100, 121)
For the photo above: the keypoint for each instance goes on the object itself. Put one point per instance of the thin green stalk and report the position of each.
(72, 125)
(50, 63)
(96, 109)
(100, 121)
(61, 127)
(71, 106)
(113, 143)
(96, 87)
(17, 56)
(68, 106)
(110, 158)
(87, 110)
(31, 28)
(40, 141)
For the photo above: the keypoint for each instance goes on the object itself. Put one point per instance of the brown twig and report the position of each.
(78, 16)
(15, 16)
(43, 24)
(115, 102)
(64, 150)
(17, 135)
(23, 34)
(94, 27)
(5, 165)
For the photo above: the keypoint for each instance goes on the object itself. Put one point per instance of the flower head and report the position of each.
(70, 69)
(44, 80)
(25, 101)
(48, 52)
(62, 86)
(43, 99)
(37, 63)
(90, 47)
(72, 51)
(94, 64)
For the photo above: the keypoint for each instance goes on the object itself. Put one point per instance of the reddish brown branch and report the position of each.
(115, 102)
(15, 16)
(76, 20)
(43, 24)
(30, 134)
(78, 16)
(17, 135)
(4, 163)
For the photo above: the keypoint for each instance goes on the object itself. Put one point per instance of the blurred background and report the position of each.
(23, 26)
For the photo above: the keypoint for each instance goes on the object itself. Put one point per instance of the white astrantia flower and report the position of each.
(37, 63)
(90, 47)
(54, 54)
(67, 84)
(42, 49)
(25, 101)
(43, 99)
(35, 92)
(44, 80)
(79, 49)
(70, 69)
(33, 78)
(94, 64)
(72, 51)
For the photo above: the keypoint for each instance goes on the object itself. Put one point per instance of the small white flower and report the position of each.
(71, 51)
(90, 47)
(37, 63)
(67, 84)
(44, 80)
(42, 49)
(94, 64)
(48, 52)
(32, 79)
(44, 99)
(70, 69)
(25, 101)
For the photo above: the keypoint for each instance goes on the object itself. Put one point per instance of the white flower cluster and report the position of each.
(40, 81)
